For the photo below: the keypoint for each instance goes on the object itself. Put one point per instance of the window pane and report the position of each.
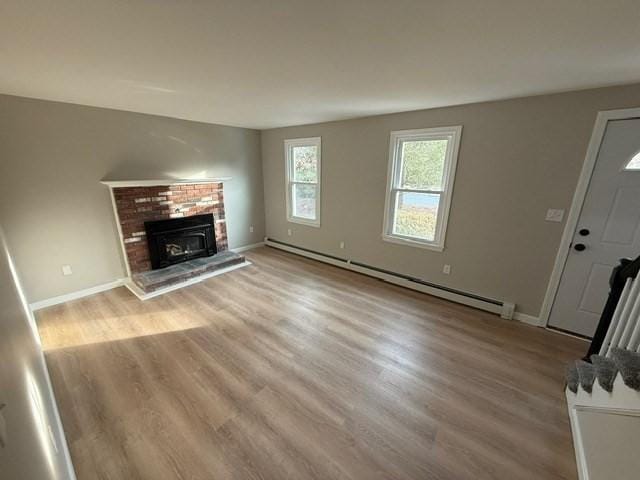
(634, 163)
(304, 201)
(305, 164)
(416, 215)
(423, 164)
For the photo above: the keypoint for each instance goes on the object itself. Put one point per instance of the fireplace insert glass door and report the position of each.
(178, 240)
(183, 247)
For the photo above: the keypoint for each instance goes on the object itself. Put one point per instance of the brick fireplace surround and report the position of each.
(138, 204)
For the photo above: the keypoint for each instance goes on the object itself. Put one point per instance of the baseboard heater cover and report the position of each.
(504, 309)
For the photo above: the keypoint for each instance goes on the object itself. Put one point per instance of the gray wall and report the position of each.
(517, 159)
(56, 212)
(30, 409)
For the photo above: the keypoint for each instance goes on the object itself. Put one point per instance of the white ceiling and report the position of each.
(270, 63)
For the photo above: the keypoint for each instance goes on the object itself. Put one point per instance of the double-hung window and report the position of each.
(303, 180)
(422, 165)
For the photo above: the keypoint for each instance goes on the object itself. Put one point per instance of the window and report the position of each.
(634, 163)
(422, 164)
(303, 180)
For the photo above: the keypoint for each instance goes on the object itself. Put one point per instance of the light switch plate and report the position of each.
(66, 270)
(554, 215)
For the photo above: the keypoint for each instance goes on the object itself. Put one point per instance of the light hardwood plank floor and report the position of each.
(292, 369)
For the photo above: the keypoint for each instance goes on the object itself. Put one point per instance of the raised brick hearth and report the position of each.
(136, 205)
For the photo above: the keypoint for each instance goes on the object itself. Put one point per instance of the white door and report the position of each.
(607, 230)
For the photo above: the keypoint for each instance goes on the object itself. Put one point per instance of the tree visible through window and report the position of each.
(421, 177)
(303, 180)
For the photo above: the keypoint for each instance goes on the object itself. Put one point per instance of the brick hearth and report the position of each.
(136, 205)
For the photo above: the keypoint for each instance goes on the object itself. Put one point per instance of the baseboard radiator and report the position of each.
(502, 308)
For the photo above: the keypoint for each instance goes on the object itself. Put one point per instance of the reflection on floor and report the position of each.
(291, 369)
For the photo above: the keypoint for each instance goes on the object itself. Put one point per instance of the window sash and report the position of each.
(399, 168)
(293, 201)
(298, 182)
(394, 214)
(397, 188)
(394, 183)
(292, 172)
(290, 146)
(416, 190)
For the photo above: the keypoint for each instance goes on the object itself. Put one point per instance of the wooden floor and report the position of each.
(292, 369)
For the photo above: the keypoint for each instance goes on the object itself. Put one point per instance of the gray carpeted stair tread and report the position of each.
(628, 363)
(606, 371)
(572, 377)
(586, 375)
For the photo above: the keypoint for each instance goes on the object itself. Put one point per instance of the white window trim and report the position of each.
(451, 160)
(288, 145)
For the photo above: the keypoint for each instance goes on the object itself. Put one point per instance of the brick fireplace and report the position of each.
(186, 224)
(136, 205)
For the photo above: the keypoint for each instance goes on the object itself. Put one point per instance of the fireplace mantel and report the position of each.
(162, 182)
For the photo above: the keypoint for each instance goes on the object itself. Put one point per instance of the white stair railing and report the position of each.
(624, 330)
(605, 422)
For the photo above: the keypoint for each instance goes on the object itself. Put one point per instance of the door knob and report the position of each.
(584, 232)
(579, 247)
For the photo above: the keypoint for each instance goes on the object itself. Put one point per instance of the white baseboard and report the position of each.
(452, 296)
(48, 302)
(566, 334)
(247, 247)
(528, 319)
(436, 292)
(138, 292)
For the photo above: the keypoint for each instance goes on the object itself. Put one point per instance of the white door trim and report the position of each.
(578, 200)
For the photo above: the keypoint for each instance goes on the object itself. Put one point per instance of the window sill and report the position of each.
(412, 243)
(302, 221)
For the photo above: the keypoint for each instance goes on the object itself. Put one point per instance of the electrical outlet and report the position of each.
(446, 269)
(554, 215)
(341, 244)
(289, 232)
(66, 270)
(251, 229)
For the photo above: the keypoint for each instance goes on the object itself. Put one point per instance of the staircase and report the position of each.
(603, 389)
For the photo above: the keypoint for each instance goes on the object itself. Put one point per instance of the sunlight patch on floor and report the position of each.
(56, 335)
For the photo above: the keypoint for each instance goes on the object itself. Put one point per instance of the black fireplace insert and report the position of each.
(180, 239)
